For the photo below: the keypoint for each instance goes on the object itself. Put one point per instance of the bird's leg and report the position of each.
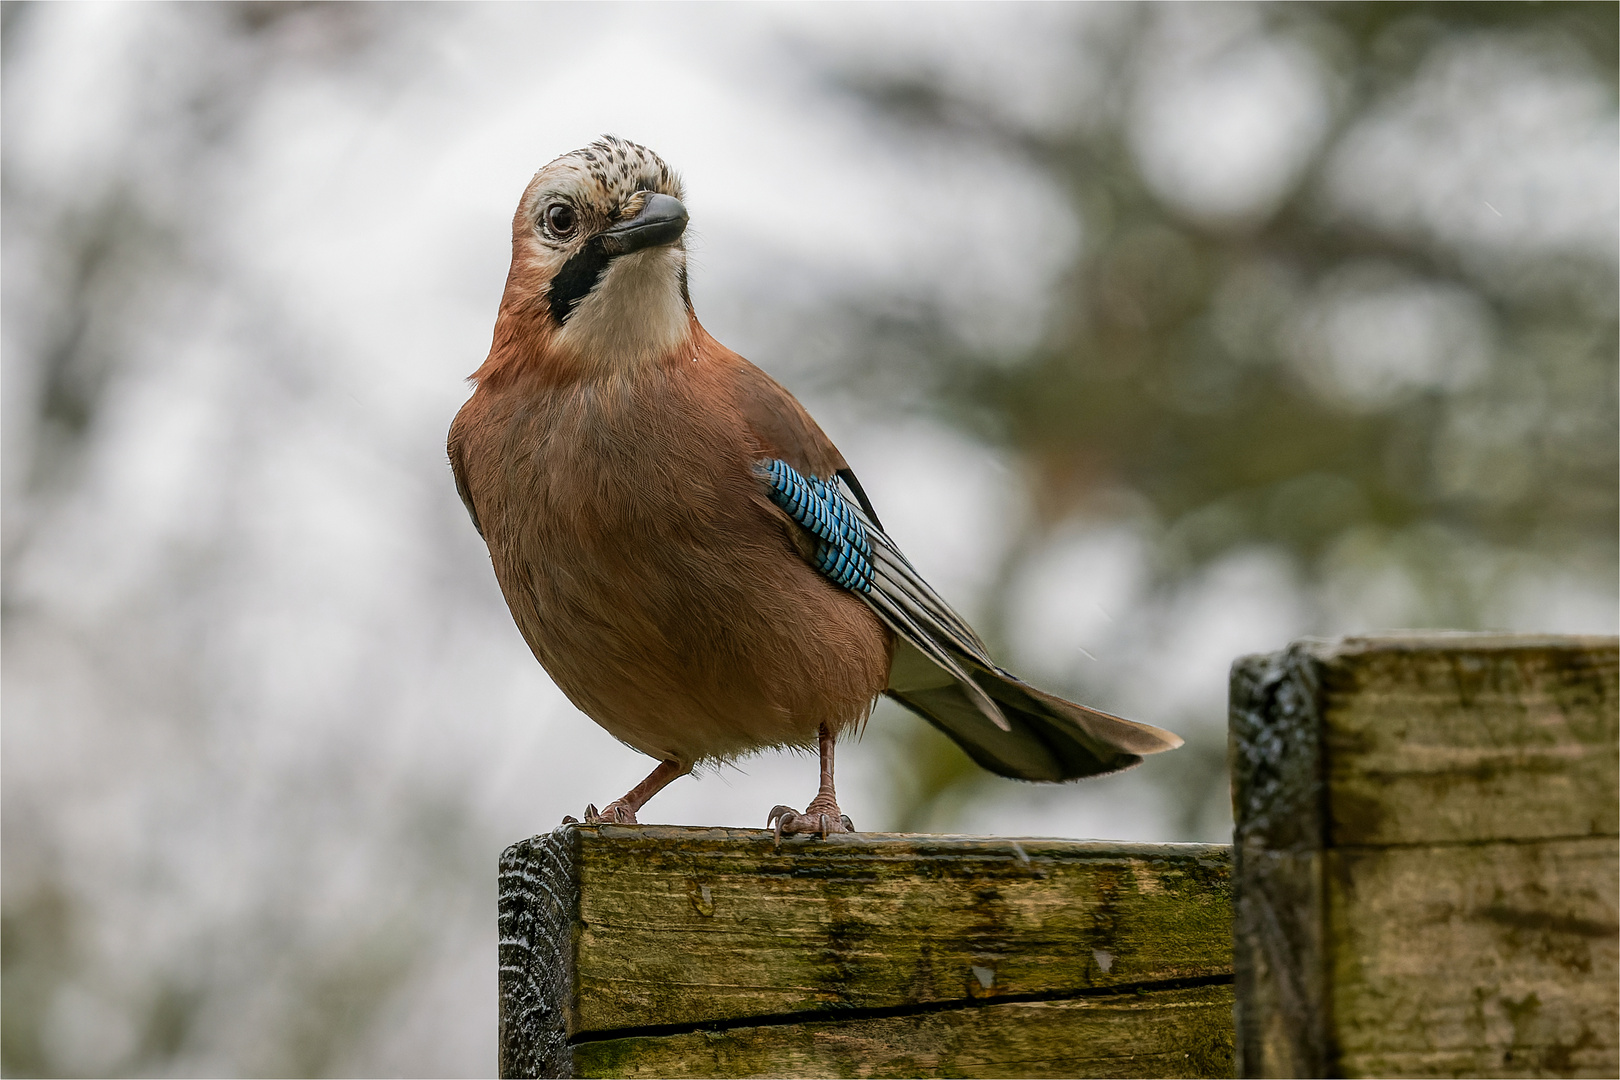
(623, 811)
(822, 816)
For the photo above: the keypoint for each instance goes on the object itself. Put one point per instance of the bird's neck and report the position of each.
(638, 315)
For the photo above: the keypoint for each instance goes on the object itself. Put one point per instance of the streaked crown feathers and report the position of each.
(602, 179)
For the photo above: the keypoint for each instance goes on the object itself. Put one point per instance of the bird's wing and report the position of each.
(941, 670)
(851, 551)
(780, 425)
(459, 469)
(784, 429)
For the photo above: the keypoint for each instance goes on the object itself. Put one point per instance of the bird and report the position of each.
(682, 547)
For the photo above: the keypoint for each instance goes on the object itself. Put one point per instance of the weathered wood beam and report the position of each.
(1427, 863)
(653, 951)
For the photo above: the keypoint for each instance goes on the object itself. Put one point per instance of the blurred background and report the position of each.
(1158, 334)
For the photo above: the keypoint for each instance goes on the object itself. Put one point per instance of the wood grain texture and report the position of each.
(1172, 1033)
(676, 927)
(1483, 737)
(1476, 959)
(647, 932)
(1281, 1011)
(1426, 857)
(538, 911)
(1279, 979)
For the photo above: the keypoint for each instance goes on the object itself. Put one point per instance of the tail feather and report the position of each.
(938, 659)
(1051, 739)
(1019, 752)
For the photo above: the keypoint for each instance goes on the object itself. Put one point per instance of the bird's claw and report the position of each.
(813, 820)
(617, 813)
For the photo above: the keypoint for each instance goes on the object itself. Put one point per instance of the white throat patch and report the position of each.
(634, 316)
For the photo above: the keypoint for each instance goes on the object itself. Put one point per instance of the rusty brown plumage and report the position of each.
(645, 566)
(616, 459)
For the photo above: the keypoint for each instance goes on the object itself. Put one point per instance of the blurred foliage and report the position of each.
(1169, 379)
(1168, 392)
(116, 255)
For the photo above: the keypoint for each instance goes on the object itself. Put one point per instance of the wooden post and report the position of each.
(1426, 857)
(654, 951)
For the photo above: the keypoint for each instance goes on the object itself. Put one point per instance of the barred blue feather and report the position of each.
(843, 552)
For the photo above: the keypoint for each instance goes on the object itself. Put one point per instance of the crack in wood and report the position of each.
(922, 1009)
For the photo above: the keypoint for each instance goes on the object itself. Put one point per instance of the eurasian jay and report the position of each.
(684, 550)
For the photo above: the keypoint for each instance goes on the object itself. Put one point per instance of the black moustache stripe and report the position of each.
(577, 278)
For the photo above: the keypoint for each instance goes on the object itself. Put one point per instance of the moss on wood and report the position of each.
(619, 939)
(1427, 864)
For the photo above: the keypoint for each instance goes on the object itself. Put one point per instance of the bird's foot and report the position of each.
(821, 818)
(617, 813)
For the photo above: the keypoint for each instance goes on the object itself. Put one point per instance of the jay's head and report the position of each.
(598, 254)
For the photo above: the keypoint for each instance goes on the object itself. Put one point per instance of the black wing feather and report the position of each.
(1003, 723)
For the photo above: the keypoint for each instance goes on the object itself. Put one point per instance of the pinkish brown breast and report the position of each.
(649, 573)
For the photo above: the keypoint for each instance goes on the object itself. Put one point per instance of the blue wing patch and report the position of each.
(843, 552)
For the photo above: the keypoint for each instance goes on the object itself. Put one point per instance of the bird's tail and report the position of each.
(943, 672)
(1046, 737)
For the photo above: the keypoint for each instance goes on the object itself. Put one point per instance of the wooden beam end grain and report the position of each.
(1426, 853)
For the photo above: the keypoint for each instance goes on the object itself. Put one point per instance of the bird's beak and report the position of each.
(661, 221)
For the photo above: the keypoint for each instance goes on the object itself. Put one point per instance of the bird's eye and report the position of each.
(561, 219)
